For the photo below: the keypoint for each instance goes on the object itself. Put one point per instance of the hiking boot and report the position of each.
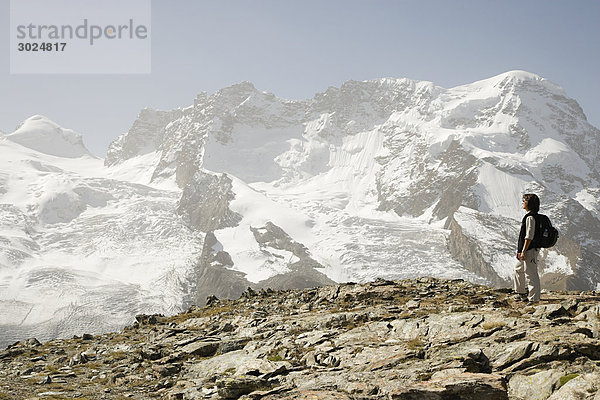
(520, 297)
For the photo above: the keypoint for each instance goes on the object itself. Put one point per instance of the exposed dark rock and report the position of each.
(204, 203)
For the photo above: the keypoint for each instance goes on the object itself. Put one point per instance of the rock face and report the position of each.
(214, 278)
(143, 137)
(411, 339)
(204, 203)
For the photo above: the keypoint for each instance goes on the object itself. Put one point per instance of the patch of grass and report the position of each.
(57, 386)
(296, 330)
(119, 355)
(52, 369)
(564, 379)
(349, 325)
(425, 376)
(89, 366)
(63, 396)
(490, 325)
(415, 344)
(275, 354)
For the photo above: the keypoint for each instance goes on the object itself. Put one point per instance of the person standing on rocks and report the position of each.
(526, 269)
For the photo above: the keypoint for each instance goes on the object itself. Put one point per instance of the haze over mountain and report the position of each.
(389, 178)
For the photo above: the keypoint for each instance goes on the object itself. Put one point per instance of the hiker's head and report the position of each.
(531, 202)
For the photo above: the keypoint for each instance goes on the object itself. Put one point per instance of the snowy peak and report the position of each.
(45, 136)
(239, 89)
(518, 79)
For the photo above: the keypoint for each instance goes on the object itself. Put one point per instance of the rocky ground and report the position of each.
(412, 339)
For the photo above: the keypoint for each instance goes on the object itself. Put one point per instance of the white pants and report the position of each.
(526, 272)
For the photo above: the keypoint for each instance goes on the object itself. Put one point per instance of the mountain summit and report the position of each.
(41, 134)
(388, 178)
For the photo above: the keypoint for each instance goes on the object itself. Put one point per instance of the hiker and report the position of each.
(526, 269)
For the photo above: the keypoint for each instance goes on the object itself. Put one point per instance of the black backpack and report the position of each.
(545, 234)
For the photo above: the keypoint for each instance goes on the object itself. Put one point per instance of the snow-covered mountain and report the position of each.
(387, 178)
(83, 248)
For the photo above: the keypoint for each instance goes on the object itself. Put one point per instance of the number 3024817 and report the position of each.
(46, 46)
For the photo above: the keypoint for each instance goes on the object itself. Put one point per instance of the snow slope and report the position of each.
(81, 251)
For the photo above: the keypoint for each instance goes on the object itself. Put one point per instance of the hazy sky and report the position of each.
(296, 48)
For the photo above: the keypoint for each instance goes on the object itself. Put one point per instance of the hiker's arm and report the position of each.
(525, 247)
(529, 233)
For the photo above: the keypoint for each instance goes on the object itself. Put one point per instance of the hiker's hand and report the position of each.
(521, 256)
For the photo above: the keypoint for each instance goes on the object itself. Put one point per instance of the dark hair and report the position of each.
(533, 202)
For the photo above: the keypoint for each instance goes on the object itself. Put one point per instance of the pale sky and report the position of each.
(296, 48)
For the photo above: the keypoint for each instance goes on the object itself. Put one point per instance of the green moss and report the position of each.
(567, 378)
(275, 357)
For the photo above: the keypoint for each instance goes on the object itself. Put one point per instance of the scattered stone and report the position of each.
(200, 349)
(513, 353)
(211, 300)
(586, 386)
(534, 386)
(414, 339)
(33, 342)
(167, 370)
(464, 386)
(235, 387)
(79, 358)
(413, 304)
(151, 353)
(550, 311)
(143, 319)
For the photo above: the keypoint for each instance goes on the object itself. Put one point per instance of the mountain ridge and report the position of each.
(388, 178)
